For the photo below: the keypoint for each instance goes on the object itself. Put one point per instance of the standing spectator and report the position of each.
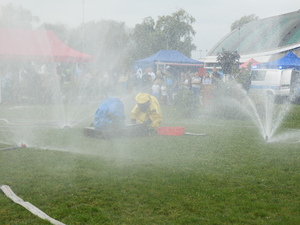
(138, 81)
(216, 77)
(151, 73)
(131, 81)
(171, 83)
(156, 89)
(201, 71)
(164, 93)
(147, 82)
(196, 85)
(186, 81)
(159, 77)
(207, 88)
(207, 79)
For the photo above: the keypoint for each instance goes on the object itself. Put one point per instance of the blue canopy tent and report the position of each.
(167, 57)
(289, 61)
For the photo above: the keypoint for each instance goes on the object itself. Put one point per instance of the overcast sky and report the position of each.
(213, 17)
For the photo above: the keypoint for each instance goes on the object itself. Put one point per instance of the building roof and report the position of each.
(263, 37)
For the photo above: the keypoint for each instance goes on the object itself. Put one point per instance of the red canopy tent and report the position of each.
(37, 45)
(251, 61)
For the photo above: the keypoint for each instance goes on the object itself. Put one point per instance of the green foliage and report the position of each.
(16, 17)
(145, 39)
(176, 32)
(185, 103)
(229, 61)
(172, 32)
(230, 176)
(243, 20)
(107, 40)
(244, 78)
(61, 31)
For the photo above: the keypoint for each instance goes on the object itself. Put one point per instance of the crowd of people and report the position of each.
(46, 83)
(165, 85)
(43, 84)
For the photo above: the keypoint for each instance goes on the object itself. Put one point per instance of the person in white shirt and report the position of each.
(156, 89)
(151, 73)
(207, 79)
(196, 86)
(164, 93)
(207, 88)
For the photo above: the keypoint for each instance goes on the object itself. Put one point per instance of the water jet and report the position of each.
(23, 145)
(66, 127)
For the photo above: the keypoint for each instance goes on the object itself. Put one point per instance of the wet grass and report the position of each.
(230, 176)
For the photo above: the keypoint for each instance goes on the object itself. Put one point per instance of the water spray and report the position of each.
(66, 127)
(5, 120)
(22, 145)
(267, 138)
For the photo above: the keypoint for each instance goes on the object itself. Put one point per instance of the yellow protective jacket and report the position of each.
(153, 113)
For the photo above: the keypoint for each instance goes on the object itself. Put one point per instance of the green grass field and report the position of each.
(230, 176)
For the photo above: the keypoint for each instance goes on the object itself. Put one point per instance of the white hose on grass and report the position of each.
(34, 210)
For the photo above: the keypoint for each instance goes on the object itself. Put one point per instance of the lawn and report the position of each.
(230, 176)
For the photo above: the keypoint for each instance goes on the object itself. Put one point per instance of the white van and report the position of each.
(277, 83)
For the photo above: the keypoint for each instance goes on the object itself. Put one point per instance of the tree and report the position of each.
(229, 61)
(107, 40)
(176, 32)
(243, 20)
(62, 31)
(244, 77)
(172, 32)
(16, 17)
(145, 38)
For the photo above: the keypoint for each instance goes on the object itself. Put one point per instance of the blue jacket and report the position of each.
(110, 114)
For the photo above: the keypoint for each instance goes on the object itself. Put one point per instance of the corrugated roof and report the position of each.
(262, 35)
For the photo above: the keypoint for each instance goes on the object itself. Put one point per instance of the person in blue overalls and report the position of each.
(110, 116)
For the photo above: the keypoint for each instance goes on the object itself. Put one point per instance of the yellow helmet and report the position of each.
(142, 98)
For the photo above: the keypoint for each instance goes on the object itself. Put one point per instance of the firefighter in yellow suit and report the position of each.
(146, 112)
